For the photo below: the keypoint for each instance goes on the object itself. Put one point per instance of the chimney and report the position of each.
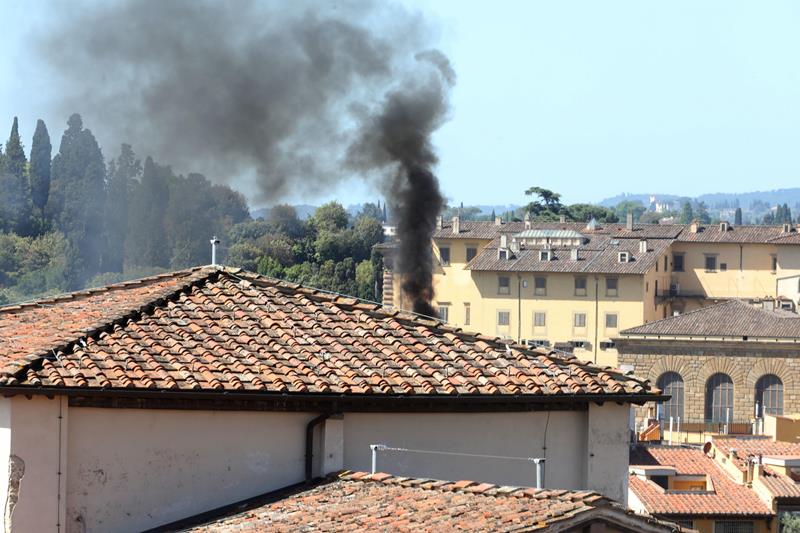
(562, 218)
(643, 246)
(694, 226)
(456, 225)
(787, 228)
(503, 241)
(732, 454)
(527, 220)
(514, 246)
(214, 242)
(573, 254)
(629, 222)
(498, 221)
(439, 222)
(723, 226)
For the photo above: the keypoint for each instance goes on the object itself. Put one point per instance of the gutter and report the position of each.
(384, 400)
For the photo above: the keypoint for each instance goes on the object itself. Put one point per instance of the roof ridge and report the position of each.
(693, 311)
(8, 373)
(588, 497)
(91, 291)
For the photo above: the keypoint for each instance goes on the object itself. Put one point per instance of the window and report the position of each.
(502, 254)
(723, 267)
(471, 253)
(666, 265)
(774, 263)
(467, 314)
(503, 285)
(769, 395)
(711, 263)
(444, 254)
(733, 526)
(677, 262)
(611, 320)
(719, 398)
(623, 257)
(444, 312)
(671, 384)
(579, 320)
(539, 319)
(540, 286)
(580, 286)
(503, 318)
(612, 287)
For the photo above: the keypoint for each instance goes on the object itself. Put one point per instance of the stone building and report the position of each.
(731, 361)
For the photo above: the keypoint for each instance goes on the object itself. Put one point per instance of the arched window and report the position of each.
(769, 395)
(671, 384)
(719, 398)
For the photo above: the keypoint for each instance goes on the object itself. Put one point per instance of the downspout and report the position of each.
(519, 308)
(596, 314)
(310, 444)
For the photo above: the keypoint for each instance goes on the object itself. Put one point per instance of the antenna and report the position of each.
(214, 242)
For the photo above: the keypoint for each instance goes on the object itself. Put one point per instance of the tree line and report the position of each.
(69, 219)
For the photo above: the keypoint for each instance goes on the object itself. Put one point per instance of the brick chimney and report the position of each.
(629, 222)
(456, 225)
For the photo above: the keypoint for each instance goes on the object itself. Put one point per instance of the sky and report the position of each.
(590, 99)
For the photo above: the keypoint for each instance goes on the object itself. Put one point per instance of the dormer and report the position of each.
(545, 255)
(623, 257)
(724, 227)
(787, 228)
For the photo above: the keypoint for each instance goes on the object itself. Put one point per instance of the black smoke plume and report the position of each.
(281, 96)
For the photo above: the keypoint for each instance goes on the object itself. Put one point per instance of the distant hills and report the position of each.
(778, 196)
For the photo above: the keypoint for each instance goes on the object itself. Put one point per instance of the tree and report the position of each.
(687, 213)
(283, 219)
(41, 153)
(147, 238)
(122, 175)
(330, 217)
(547, 206)
(371, 211)
(587, 212)
(701, 213)
(15, 205)
(634, 207)
(737, 217)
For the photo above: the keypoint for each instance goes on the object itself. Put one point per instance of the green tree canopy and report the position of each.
(41, 154)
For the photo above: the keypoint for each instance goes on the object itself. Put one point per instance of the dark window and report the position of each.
(711, 263)
(444, 253)
(733, 526)
(580, 286)
(723, 267)
(671, 384)
(769, 395)
(471, 253)
(666, 265)
(540, 286)
(503, 254)
(774, 263)
(719, 398)
(612, 287)
(677, 262)
(503, 285)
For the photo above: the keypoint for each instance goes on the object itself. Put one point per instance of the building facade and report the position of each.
(575, 286)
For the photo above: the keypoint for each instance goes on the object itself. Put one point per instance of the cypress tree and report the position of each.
(16, 202)
(41, 153)
(148, 245)
(80, 171)
(122, 174)
(737, 217)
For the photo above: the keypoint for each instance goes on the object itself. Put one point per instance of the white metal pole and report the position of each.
(670, 431)
(375, 448)
(539, 472)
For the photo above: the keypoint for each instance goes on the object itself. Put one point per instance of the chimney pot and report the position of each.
(456, 225)
(498, 221)
(629, 222)
(438, 222)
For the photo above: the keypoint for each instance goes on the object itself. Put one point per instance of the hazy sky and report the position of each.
(587, 98)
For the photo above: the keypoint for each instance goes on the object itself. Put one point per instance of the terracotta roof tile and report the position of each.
(740, 234)
(216, 329)
(380, 502)
(727, 498)
(733, 318)
(778, 484)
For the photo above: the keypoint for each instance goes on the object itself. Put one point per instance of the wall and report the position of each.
(696, 361)
(133, 469)
(500, 434)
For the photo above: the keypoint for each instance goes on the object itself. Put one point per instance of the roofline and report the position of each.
(148, 398)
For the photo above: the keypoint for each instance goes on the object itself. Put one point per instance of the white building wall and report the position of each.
(500, 434)
(608, 450)
(134, 469)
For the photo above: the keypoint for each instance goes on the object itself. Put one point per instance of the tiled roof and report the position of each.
(733, 318)
(778, 484)
(482, 230)
(216, 329)
(599, 256)
(728, 498)
(739, 234)
(380, 502)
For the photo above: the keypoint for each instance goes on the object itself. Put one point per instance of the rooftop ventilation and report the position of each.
(592, 225)
(456, 225)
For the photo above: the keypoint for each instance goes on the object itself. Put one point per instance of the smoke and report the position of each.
(297, 96)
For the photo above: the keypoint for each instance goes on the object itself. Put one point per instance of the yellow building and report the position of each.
(574, 286)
